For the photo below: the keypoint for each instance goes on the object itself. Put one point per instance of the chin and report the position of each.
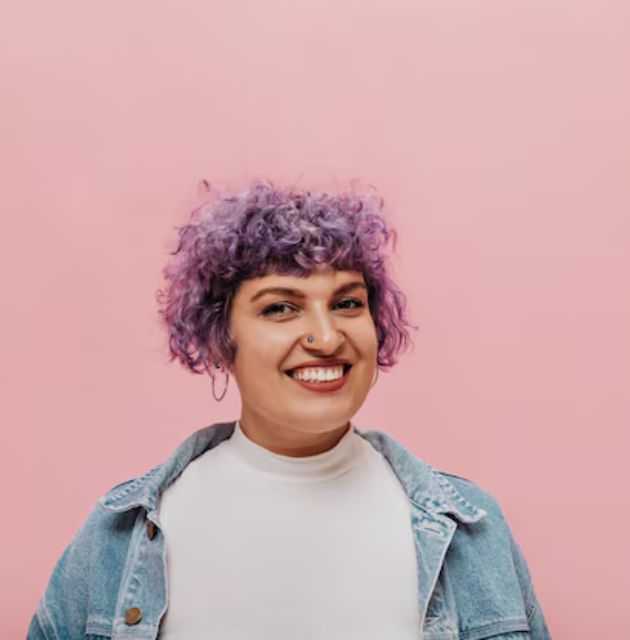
(318, 422)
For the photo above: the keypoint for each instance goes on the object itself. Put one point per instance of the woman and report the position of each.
(290, 522)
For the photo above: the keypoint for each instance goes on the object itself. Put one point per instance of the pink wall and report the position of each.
(498, 134)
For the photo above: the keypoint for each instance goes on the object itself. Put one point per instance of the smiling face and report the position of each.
(270, 330)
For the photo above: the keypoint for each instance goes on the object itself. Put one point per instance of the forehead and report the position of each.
(322, 280)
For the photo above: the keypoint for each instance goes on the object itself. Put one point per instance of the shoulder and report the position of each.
(102, 528)
(124, 488)
(488, 548)
(493, 543)
(493, 528)
(431, 488)
(145, 490)
(473, 492)
(94, 555)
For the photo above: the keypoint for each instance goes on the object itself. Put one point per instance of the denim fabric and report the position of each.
(473, 579)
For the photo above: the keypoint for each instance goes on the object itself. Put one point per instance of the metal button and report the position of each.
(133, 615)
(150, 529)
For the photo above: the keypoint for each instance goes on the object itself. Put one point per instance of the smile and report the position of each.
(317, 382)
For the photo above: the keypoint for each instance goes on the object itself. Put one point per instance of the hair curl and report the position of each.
(266, 229)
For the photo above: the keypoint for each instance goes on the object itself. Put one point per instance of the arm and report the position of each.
(35, 631)
(62, 610)
(535, 617)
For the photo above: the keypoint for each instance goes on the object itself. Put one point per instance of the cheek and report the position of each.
(262, 350)
(366, 338)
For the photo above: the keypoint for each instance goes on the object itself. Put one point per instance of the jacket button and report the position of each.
(133, 615)
(150, 529)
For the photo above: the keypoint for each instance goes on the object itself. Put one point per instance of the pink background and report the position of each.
(498, 134)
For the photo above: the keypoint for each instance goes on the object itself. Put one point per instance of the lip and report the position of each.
(331, 362)
(324, 387)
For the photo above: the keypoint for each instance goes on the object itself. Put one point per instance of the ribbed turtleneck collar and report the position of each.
(338, 460)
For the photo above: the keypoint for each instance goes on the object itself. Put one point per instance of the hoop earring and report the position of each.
(375, 379)
(227, 381)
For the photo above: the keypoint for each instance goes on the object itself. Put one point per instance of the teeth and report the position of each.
(318, 374)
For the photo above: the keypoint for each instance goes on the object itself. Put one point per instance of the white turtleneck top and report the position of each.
(273, 547)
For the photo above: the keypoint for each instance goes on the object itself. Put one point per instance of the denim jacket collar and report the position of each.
(425, 487)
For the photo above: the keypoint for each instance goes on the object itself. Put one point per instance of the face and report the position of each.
(270, 330)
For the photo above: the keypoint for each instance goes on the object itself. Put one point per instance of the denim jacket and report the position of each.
(111, 581)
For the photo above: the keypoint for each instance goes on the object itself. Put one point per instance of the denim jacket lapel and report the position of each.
(433, 498)
(145, 491)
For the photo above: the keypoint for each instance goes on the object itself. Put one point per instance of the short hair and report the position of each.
(266, 230)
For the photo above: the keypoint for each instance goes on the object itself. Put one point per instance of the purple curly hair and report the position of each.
(264, 230)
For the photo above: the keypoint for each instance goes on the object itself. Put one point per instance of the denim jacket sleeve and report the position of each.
(537, 625)
(62, 610)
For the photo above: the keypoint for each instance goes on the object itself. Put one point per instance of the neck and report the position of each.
(289, 439)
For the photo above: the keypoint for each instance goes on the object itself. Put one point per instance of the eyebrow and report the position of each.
(296, 293)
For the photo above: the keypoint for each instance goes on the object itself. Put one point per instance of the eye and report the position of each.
(358, 304)
(272, 309)
(276, 308)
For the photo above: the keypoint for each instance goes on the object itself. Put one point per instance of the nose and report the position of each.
(325, 335)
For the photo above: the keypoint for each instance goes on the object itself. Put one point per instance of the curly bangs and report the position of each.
(264, 230)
